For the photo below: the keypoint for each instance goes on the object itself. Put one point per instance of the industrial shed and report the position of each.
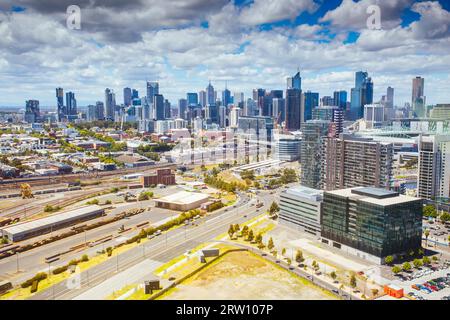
(182, 201)
(51, 223)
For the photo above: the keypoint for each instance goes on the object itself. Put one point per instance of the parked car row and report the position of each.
(436, 284)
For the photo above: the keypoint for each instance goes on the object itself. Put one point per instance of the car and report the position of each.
(415, 287)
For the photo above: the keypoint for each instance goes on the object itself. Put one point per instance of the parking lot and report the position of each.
(427, 284)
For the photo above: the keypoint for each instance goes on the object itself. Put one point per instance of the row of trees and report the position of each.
(417, 263)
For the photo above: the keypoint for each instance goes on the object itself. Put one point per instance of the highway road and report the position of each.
(165, 247)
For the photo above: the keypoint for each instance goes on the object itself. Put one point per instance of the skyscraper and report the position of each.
(418, 98)
(202, 98)
(258, 97)
(293, 109)
(434, 167)
(340, 99)
(32, 111)
(390, 97)
(192, 99)
(314, 132)
(182, 106)
(295, 82)
(152, 89)
(127, 96)
(361, 95)
(330, 113)
(158, 104)
(210, 95)
(71, 106)
(60, 104)
(110, 104)
(134, 94)
(279, 110)
(226, 97)
(348, 161)
(311, 102)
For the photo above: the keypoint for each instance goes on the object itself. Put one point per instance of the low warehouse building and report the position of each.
(51, 223)
(182, 201)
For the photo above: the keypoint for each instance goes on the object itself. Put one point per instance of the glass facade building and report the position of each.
(371, 222)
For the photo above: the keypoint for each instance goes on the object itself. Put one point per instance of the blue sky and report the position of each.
(249, 44)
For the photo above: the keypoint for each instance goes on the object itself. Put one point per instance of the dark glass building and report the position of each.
(371, 223)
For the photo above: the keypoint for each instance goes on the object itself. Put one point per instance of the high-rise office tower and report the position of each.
(361, 95)
(32, 111)
(100, 110)
(134, 94)
(311, 102)
(433, 182)
(226, 97)
(279, 110)
(314, 132)
(192, 99)
(295, 82)
(418, 97)
(238, 99)
(293, 109)
(390, 97)
(95, 112)
(182, 107)
(258, 97)
(234, 117)
(127, 96)
(152, 89)
(340, 99)
(60, 104)
(210, 95)
(223, 120)
(158, 104)
(167, 109)
(71, 106)
(110, 104)
(202, 98)
(350, 161)
(327, 101)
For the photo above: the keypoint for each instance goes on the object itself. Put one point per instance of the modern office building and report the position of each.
(433, 181)
(371, 223)
(293, 109)
(374, 115)
(71, 106)
(340, 99)
(279, 110)
(32, 111)
(418, 98)
(311, 102)
(300, 209)
(110, 104)
(288, 148)
(60, 104)
(295, 82)
(349, 161)
(182, 107)
(327, 101)
(361, 95)
(127, 96)
(314, 132)
(152, 89)
(192, 99)
(226, 97)
(158, 105)
(210, 95)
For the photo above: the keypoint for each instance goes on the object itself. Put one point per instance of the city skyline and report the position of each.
(259, 50)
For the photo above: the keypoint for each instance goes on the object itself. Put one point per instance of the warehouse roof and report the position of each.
(51, 220)
(184, 197)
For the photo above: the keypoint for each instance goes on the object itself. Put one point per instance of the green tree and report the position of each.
(353, 281)
(231, 231)
(274, 208)
(396, 269)
(245, 231)
(258, 238)
(389, 260)
(299, 256)
(270, 245)
(283, 251)
(426, 261)
(406, 266)
(333, 275)
(429, 211)
(426, 234)
(250, 236)
(417, 263)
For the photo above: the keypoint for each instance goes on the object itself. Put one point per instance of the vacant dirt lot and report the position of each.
(243, 275)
